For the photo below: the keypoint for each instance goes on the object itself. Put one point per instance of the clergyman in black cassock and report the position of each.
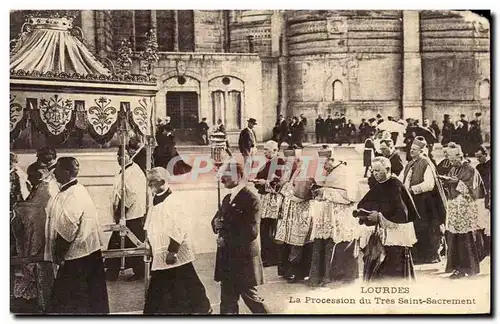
(389, 206)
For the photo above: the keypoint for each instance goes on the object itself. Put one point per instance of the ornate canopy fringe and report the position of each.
(59, 87)
(48, 45)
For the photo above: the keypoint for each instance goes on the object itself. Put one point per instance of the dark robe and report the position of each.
(394, 201)
(431, 207)
(460, 136)
(165, 151)
(320, 130)
(363, 131)
(436, 130)
(329, 129)
(475, 139)
(396, 163)
(283, 132)
(86, 277)
(176, 290)
(80, 285)
(448, 131)
(409, 137)
(484, 170)
(297, 134)
(367, 153)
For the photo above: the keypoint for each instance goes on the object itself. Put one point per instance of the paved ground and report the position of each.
(128, 297)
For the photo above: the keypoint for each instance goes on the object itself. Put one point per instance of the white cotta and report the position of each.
(135, 192)
(332, 208)
(166, 221)
(391, 234)
(294, 223)
(73, 215)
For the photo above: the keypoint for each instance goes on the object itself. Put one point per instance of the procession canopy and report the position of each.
(51, 47)
(62, 95)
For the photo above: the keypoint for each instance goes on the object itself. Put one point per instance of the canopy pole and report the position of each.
(150, 143)
(123, 221)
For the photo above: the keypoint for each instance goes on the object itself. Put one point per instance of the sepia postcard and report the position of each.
(182, 162)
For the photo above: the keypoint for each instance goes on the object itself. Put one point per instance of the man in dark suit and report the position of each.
(238, 264)
(329, 122)
(448, 130)
(203, 129)
(320, 129)
(284, 132)
(247, 141)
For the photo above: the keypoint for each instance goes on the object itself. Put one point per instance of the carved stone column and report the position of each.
(412, 66)
(88, 28)
(153, 21)
(282, 62)
(176, 31)
(276, 32)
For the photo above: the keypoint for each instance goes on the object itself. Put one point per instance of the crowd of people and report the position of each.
(313, 229)
(340, 130)
(414, 214)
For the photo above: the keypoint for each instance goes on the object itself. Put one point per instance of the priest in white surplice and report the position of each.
(175, 287)
(135, 209)
(80, 285)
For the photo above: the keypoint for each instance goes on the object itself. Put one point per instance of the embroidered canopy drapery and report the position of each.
(59, 87)
(49, 46)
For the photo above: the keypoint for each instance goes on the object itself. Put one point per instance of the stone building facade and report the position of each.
(240, 64)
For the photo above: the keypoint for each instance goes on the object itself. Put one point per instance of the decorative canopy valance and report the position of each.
(48, 45)
(57, 86)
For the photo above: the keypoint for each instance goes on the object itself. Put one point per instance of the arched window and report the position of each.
(233, 111)
(484, 90)
(338, 91)
(218, 104)
(227, 95)
(165, 30)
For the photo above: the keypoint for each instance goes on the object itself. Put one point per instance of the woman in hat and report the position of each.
(463, 226)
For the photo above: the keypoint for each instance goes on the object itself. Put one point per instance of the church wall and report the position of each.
(270, 96)
(251, 23)
(202, 68)
(455, 66)
(361, 50)
(208, 31)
